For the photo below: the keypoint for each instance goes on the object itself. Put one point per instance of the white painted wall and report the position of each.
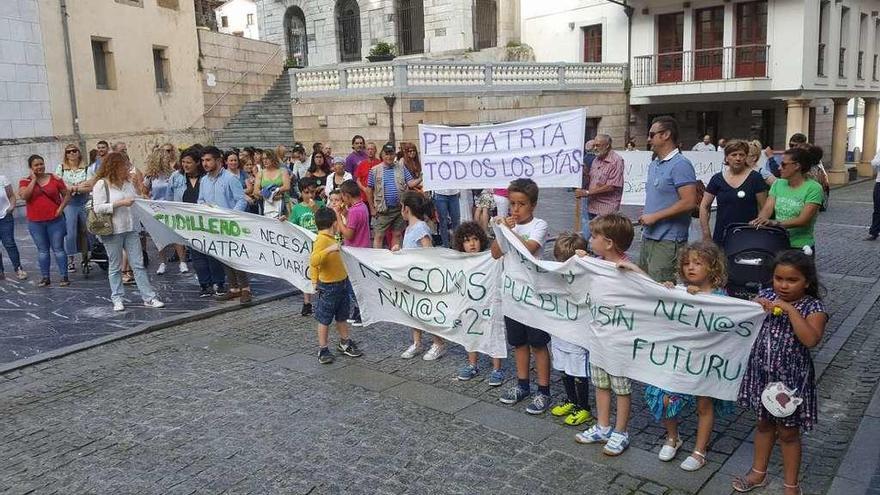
(236, 11)
(554, 29)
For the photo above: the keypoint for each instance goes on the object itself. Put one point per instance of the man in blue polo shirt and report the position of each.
(219, 187)
(670, 197)
(385, 185)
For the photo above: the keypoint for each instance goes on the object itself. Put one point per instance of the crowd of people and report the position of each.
(374, 197)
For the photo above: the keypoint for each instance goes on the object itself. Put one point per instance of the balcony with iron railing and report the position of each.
(710, 64)
(452, 77)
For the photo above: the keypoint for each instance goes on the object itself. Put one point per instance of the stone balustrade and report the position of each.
(415, 76)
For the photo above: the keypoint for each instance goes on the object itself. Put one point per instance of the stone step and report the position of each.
(264, 123)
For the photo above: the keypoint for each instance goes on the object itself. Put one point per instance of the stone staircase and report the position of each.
(263, 123)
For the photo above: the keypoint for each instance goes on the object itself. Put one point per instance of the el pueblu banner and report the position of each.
(632, 326)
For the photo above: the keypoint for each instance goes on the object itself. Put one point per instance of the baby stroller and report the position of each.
(750, 252)
(98, 254)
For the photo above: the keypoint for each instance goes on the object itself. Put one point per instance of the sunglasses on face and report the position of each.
(71, 151)
(652, 134)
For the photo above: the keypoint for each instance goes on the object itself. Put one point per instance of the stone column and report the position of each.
(869, 137)
(795, 119)
(837, 172)
(805, 118)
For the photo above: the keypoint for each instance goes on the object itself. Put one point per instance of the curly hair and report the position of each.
(712, 256)
(466, 231)
(158, 164)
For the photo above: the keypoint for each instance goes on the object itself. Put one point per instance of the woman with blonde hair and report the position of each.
(157, 186)
(272, 183)
(114, 193)
(74, 171)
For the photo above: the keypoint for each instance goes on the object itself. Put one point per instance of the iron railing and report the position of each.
(708, 64)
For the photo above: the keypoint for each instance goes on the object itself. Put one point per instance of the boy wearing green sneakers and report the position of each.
(571, 359)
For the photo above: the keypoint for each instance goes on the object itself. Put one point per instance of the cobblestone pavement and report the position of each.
(237, 403)
(43, 319)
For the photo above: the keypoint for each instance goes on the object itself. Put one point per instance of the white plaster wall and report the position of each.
(24, 92)
(546, 28)
(236, 12)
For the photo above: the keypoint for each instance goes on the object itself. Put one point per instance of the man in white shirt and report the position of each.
(705, 144)
(874, 231)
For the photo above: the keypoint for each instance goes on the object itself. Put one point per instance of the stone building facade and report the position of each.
(321, 32)
(25, 110)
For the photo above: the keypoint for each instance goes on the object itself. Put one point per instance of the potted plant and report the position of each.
(381, 52)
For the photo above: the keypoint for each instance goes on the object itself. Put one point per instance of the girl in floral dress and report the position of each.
(781, 353)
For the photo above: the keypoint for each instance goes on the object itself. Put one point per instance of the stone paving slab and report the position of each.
(365, 378)
(508, 421)
(429, 396)
(307, 364)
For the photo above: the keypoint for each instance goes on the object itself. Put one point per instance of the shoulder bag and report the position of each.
(100, 223)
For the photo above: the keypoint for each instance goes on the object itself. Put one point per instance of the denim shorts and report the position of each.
(332, 302)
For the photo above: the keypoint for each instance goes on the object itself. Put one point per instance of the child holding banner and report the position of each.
(526, 340)
(780, 361)
(331, 286)
(702, 267)
(416, 207)
(571, 359)
(470, 237)
(610, 236)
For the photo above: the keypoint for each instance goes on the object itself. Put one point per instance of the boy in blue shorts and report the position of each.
(331, 286)
(526, 340)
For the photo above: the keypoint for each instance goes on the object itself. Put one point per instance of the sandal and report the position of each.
(694, 461)
(796, 485)
(742, 484)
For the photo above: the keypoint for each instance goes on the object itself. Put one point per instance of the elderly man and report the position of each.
(670, 198)
(606, 180)
(705, 144)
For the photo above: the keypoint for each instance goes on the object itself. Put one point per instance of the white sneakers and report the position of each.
(411, 351)
(162, 268)
(670, 448)
(118, 306)
(154, 303)
(435, 352)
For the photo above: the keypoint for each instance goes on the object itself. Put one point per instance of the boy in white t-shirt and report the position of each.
(526, 340)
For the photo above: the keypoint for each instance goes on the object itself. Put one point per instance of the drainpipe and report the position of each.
(70, 84)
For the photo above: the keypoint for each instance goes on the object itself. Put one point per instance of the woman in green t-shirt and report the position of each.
(795, 199)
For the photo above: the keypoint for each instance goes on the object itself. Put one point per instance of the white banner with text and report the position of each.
(243, 241)
(635, 171)
(444, 292)
(633, 326)
(547, 149)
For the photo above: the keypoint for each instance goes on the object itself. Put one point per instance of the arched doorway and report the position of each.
(348, 30)
(296, 37)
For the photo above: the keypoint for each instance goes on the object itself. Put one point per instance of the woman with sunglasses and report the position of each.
(74, 171)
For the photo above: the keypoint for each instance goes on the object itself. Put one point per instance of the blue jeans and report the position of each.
(585, 219)
(131, 243)
(50, 235)
(208, 270)
(449, 213)
(7, 237)
(75, 217)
